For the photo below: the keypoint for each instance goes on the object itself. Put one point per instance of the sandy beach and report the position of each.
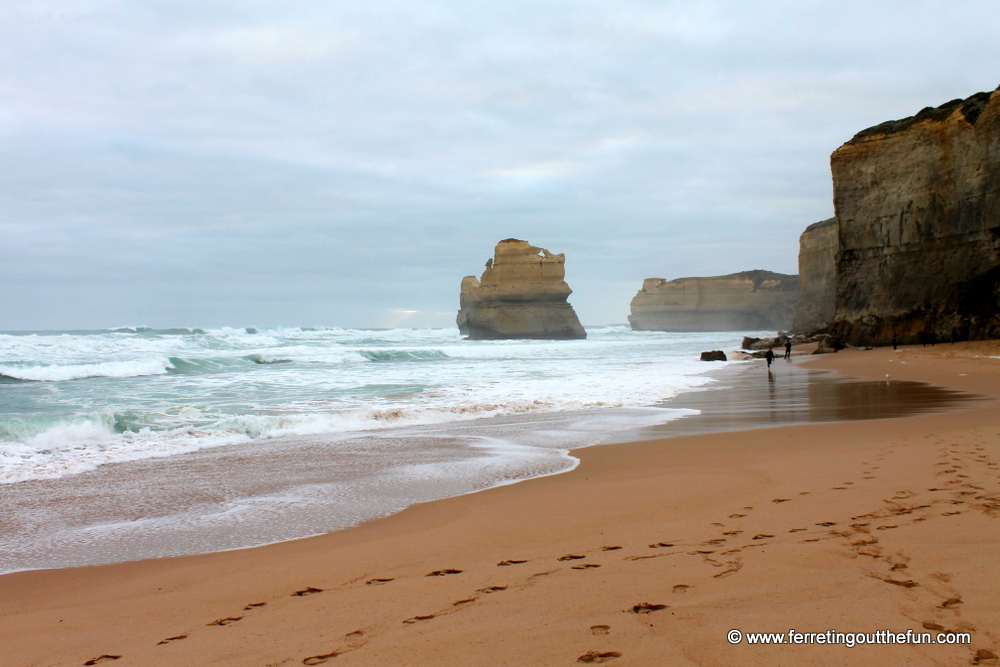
(648, 553)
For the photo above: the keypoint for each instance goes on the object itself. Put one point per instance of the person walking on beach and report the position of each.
(894, 340)
(770, 358)
(788, 349)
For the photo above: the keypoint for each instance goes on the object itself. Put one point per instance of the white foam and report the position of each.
(110, 369)
(337, 381)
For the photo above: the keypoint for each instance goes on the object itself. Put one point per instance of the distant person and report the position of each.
(894, 340)
(954, 335)
(770, 358)
(788, 349)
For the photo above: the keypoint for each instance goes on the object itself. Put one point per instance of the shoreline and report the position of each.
(261, 493)
(632, 496)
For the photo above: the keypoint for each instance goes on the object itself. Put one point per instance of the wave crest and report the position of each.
(61, 373)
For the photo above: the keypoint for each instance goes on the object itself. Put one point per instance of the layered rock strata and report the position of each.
(917, 203)
(753, 300)
(522, 294)
(818, 246)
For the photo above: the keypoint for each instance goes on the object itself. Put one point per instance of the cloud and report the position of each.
(313, 163)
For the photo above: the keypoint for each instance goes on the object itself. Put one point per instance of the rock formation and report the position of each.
(522, 294)
(817, 270)
(917, 203)
(754, 300)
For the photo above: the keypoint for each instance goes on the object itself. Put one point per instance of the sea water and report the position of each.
(135, 442)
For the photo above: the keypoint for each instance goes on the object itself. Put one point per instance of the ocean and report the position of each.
(136, 442)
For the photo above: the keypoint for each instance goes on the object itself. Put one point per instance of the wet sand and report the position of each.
(646, 553)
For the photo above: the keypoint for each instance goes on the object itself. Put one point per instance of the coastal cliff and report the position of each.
(522, 294)
(818, 246)
(917, 204)
(753, 300)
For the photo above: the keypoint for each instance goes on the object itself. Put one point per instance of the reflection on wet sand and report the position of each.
(752, 397)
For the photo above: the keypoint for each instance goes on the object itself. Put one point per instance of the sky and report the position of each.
(331, 163)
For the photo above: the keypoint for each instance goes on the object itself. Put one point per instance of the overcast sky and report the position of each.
(326, 163)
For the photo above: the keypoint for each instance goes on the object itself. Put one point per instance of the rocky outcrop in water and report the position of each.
(917, 203)
(740, 301)
(818, 246)
(522, 294)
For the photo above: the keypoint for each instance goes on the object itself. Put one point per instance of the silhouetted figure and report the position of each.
(954, 335)
(770, 358)
(788, 349)
(894, 340)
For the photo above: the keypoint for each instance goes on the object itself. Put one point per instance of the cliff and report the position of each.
(522, 294)
(751, 300)
(918, 208)
(818, 247)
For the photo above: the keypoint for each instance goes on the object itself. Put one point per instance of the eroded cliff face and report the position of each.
(522, 294)
(818, 247)
(751, 300)
(918, 209)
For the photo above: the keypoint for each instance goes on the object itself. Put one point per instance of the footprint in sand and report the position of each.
(611, 548)
(736, 516)
(417, 619)
(595, 656)
(864, 543)
(600, 629)
(102, 658)
(734, 566)
(254, 605)
(827, 524)
(505, 563)
(461, 602)
(661, 545)
(646, 608)
(229, 620)
(931, 625)
(950, 603)
(171, 639)
(442, 573)
(492, 589)
(908, 583)
(797, 530)
(308, 590)
(378, 582)
(320, 659)
(761, 536)
(681, 588)
(983, 656)
(355, 634)
(585, 566)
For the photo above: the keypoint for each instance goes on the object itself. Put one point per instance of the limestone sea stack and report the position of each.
(917, 204)
(818, 246)
(750, 300)
(522, 294)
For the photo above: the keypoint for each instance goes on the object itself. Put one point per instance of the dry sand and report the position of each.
(648, 553)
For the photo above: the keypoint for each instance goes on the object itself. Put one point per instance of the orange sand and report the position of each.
(855, 527)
